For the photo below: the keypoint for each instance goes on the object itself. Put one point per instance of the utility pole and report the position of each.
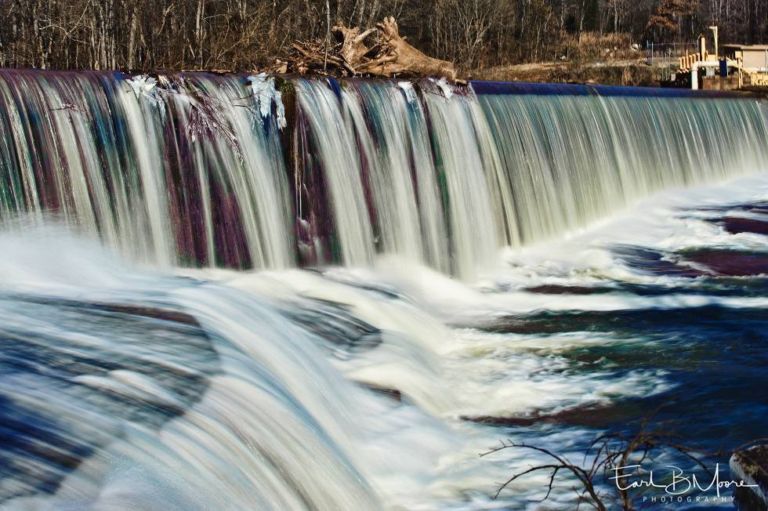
(714, 35)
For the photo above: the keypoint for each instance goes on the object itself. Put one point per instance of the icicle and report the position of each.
(146, 86)
(263, 88)
(444, 87)
(142, 85)
(264, 93)
(410, 92)
(281, 121)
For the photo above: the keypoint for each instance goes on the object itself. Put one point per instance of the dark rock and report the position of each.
(554, 289)
(585, 416)
(393, 394)
(334, 323)
(729, 263)
(654, 262)
(736, 225)
(751, 466)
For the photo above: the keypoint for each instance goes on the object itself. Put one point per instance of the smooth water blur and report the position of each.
(185, 172)
(360, 389)
(577, 158)
(483, 266)
(208, 171)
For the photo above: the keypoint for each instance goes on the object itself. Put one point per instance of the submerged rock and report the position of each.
(738, 225)
(729, 263)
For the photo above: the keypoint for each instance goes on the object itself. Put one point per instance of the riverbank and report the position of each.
(624, 72)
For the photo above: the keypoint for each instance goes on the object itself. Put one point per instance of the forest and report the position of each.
(243, 35)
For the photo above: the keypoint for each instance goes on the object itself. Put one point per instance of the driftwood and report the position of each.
(379, 51)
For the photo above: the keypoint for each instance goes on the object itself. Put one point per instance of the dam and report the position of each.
(257, 292)
(196, 169)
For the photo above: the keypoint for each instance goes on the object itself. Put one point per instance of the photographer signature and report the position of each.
(677, 481)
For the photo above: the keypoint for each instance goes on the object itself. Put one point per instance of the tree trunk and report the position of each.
(132, 38)
(199, 32)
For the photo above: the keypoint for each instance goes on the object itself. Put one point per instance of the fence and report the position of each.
(667, 54)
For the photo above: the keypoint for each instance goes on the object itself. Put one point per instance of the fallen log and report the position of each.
(402, 58)
(379, 51)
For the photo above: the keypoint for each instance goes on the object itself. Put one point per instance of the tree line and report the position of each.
(241, 35)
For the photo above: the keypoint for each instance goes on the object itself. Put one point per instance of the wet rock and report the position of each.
(590, 415)
(654, 262)
(554, 289)
(391, 393)
(336, 324)
(751, 466)
(73, 373)
(729, 263)
(737, 225)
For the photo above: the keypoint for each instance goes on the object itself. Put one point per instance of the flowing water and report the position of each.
(249, 293)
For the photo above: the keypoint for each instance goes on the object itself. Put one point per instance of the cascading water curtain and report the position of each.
(202, 170)
(188, 171)
(576, 158)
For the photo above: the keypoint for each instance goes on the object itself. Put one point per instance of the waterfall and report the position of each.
(122, 388)
(153, 392)
(200, 170)
(167, 378)
(577, 158)
(186, 172)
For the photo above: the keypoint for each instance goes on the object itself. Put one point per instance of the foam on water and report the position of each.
(280, 410)
(285, 427)
(433, 323)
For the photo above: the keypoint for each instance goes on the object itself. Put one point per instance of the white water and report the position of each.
(137, 164)
(198, 170)
(269, 382)
(281, 424)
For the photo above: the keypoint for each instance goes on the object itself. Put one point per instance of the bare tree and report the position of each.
(610, 453)
(244, 34)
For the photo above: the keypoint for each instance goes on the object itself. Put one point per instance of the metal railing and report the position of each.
(667, 54)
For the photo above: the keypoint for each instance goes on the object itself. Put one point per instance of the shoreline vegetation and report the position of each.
(578, 41)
